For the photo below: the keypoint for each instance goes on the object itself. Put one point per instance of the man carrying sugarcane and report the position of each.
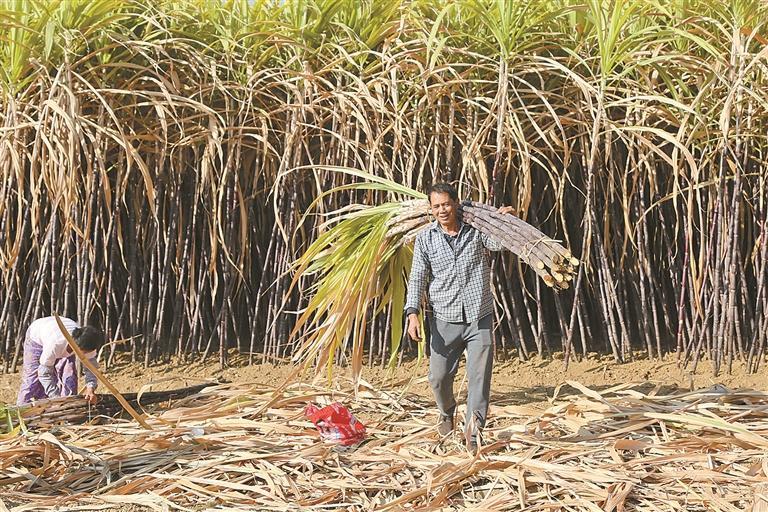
(451, 264)
(49, 365)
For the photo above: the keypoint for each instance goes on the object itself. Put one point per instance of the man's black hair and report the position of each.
(88, 338)
(442, 188)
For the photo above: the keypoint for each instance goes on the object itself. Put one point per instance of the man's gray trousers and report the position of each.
(447, 342)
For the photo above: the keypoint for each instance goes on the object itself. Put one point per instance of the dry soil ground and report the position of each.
(532, 380)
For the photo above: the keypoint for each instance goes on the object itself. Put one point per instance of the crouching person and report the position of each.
(49, 369)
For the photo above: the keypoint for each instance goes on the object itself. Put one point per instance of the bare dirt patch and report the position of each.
(529, 381)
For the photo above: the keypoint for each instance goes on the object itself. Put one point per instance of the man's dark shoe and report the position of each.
(445, 426)
(473, 443)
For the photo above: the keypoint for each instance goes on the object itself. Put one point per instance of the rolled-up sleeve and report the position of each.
(491, 243)
(418, 278)
(90, 378)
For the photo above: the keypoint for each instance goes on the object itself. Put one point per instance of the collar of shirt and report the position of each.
(435, 226)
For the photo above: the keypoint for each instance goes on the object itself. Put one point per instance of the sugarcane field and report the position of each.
(383, 255)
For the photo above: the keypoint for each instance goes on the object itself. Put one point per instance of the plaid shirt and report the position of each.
(456, 273)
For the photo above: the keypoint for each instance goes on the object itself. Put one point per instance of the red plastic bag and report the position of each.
(336, 424)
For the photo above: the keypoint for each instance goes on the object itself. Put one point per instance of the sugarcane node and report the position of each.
(564, 285)
(574, 262)
(531, 245)
(415, 203)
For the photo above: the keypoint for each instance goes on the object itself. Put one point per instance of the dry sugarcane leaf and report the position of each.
(269, 460)
(631, 445)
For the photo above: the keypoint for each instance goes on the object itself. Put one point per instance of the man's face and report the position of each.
(443, 208)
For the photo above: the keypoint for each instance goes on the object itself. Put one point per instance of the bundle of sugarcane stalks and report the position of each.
(551, 261)
(235, 447)
(44, 414)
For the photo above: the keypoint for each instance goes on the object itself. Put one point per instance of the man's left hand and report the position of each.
(507, 209)
(90, 395)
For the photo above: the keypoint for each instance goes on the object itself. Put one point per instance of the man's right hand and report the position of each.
(414, 327)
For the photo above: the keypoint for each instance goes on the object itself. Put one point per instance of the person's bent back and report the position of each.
(49, 369)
